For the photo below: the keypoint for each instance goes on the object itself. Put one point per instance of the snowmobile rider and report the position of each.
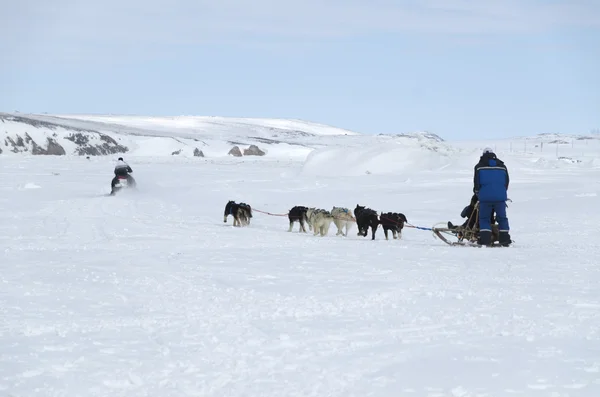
(121, 169)
(490, 185)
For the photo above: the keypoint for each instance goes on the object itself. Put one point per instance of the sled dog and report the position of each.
(342, 218)
(298, 214)
(393, 221)
(365, 218)
(242, 213)
(320, 221)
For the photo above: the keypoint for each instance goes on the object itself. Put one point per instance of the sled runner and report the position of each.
(464, 235)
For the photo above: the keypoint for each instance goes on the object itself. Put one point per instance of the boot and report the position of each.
(485, 238)
(504, 239)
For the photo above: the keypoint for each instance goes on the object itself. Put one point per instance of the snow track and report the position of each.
(149, 293)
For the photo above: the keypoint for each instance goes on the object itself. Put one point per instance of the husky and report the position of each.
(320, 221)
(309, 217)
(393, 221)
(298, 214)
(242, 213)
(342, 217)
(366, 217)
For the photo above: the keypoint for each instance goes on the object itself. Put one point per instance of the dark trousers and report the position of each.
(485, 225)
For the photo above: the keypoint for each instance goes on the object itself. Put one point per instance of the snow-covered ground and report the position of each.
(149, 293)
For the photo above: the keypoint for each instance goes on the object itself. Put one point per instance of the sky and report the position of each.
(459, 68)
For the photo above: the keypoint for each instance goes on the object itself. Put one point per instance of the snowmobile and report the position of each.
(123, 182)
(465, 234)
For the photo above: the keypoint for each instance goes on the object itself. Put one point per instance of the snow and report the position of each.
(150, 293)
(379, 158)
(213, 123)
(162, 136)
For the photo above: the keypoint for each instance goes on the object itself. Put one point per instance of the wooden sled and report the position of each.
(464, 236)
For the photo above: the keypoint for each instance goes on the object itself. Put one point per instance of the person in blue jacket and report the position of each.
(490, 184)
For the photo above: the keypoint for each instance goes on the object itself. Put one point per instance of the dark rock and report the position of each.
(18, 146)
(253, 150)
(107, 146)
(176, 152)
(235, 151)
(78, 138)
(198, 153)
(52, 149)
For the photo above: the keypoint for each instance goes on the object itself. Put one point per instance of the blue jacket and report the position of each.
(491, 179)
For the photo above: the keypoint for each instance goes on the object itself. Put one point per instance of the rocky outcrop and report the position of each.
(235, 151)
(176, 152)
(198, 153)
(52, 148)
(104, 144)
(51, 139)
(253, 150)
(18, 144)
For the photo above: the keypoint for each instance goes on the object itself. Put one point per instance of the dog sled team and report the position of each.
(320, 220)
(486, 224)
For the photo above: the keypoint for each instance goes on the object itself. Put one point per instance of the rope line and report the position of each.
(268, 213)
(406, 224)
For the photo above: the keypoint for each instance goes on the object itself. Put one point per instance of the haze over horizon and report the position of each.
(461, 69)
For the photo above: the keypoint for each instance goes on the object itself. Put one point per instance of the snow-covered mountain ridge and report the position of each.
(325, 150)
(201, 136)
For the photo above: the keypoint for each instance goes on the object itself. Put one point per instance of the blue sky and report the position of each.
(459, 68)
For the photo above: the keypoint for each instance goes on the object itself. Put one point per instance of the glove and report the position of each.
(466, 211)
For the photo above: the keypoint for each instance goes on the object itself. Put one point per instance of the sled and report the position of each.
(464, 236)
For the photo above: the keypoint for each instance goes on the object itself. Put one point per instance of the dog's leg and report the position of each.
(385, 232)
(394, 232)
(327, 226)
(291, 225)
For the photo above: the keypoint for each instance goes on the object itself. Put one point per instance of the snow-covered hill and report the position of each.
(326, 150)
(159, 136)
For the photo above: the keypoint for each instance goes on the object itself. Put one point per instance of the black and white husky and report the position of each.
(319, 220)
(298, 214)
(242, 213)
(393, 221)
(342, 218)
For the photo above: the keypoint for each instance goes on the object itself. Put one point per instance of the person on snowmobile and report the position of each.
(121, 169)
